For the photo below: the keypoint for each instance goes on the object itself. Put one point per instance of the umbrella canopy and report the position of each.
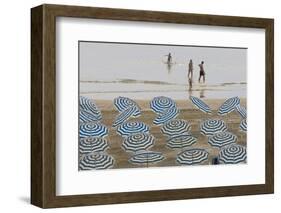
(138, 142)
(243, 125)
(212, 126)
(86, 116)
(229, 105)
(221, 139)
(192, 156)
(161, 103)
(146, 157)
(242, 111)
(166, 116)
(96, 161)
(233, 154)
(200, 104)
(87, 104)
(125, 115)
(181, 141)
(175, 127)
(123, 103)
(133, 127)
(92, 144)
(92, 129)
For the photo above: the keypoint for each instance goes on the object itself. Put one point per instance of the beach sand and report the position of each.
(187, 112)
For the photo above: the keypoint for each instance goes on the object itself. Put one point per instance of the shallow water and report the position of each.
(108, 91)
(139, 71)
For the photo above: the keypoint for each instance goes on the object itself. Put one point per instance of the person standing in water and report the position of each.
(169, 60)
(201, 72)
(190, 70)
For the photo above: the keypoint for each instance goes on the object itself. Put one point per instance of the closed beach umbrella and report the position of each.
(125, 115)
(212, 126)
(88, 105)
(146, 157)
(86, 116)
(181, 141)
(233, 154)
(242, 111)
(221, 139)
(229, 105)
(138, 142)
(200, 104)
(192, 156)
(132, 127)
(243, 125)
(161, 103)
(123, 103)
(92, 144)
(175, 127)
(92, 129)
(96, 161)
(166, 116)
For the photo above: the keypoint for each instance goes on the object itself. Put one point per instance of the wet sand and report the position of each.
(187, 112)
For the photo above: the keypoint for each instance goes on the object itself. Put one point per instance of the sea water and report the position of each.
(108, 70)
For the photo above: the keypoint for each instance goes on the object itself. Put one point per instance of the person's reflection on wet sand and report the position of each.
(190, 86)
(202, 93)
(169, 67)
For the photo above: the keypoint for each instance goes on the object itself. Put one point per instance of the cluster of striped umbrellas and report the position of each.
(178, 134)
(137, 140)
(88, 111)
(136, 137)
(127, 108)
(92, 133)
(165, 108)
(179, 137)
(233, 104)
(219, 137)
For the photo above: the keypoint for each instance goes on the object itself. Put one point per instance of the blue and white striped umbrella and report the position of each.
(146, 157)
(92, 129)
(89, 105)
(242, 111)
(229, 105)
(192, 156)
(200, 104)
(92, 144)
(212, 126)
(123, 103)
(181, 141)
(166, 116)
(132, 127)
(138, 142)
(96, 161)
(86, 116)
(243, 125)
(221, 139)
(233, 154)
(161, 103)
(175, 127)
(125, 115)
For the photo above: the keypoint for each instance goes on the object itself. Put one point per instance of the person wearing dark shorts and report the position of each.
(201, 72)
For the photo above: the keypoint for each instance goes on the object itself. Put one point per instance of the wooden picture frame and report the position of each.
(43, 105)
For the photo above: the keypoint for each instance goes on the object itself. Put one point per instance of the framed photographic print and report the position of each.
(136, 106)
